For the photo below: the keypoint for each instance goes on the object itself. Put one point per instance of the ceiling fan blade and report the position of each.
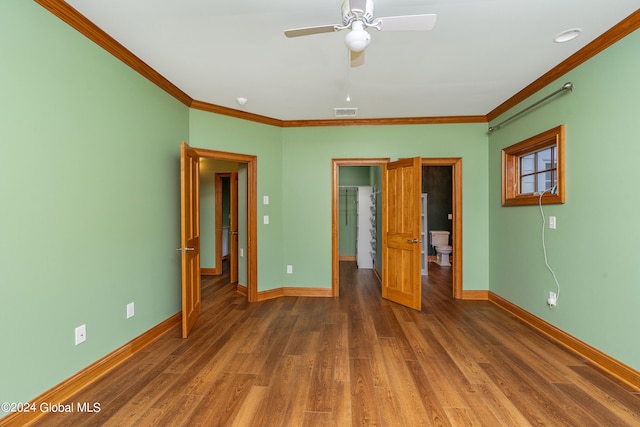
(424, 22)
(357, 58)
(307, 31)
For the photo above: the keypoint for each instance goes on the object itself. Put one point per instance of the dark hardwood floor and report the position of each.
(355, 360)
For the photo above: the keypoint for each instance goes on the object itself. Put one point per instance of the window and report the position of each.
(538, 170)
(532, 167)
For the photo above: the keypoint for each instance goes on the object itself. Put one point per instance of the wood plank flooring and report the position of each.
(355, 360)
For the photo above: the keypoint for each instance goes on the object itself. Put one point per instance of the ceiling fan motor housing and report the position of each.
(350, 14)
(357, 39)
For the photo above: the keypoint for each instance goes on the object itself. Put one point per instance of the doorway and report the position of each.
(222, 228)
(219, 216)
(456, 226)
(437, 213)
(226, 220)
(348, 187)
(245, 245)
(359, 188)
(190, 244)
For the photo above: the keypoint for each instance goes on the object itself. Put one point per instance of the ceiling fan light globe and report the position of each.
(357, 40)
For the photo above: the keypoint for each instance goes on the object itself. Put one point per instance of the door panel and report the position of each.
(189, 236)
(401, 192)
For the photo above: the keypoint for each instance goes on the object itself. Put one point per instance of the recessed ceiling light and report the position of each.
(567, 35)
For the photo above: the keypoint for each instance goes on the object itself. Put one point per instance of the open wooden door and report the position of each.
(189, 236)
(233, 228)
(401, 191)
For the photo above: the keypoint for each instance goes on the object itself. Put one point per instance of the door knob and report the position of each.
(233, 233)
(183, 250)
(414, 241)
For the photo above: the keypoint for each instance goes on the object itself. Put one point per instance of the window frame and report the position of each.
(511, 169)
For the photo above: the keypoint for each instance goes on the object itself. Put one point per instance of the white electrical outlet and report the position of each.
(130, 310)
(265, 219)
(552, 222)
(552, 300)
(289, 269)
(81, 334)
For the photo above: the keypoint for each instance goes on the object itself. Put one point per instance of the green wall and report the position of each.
(233, 135)
(294, 169)
(307, 155)
(354, 175)
(89, 201)
(594, 250)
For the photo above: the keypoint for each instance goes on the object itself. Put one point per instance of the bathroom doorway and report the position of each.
(442, 182)
(437, 189)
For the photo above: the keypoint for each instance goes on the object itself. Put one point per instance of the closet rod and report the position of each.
(566, 86)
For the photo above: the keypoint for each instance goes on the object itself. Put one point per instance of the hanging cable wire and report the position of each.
(544, 247)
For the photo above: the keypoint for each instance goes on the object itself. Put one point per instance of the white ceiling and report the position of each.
(480, 53)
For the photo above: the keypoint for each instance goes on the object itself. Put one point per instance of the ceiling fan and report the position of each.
(357, 16)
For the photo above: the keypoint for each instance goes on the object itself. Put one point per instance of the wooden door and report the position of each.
(401, 192)
(233, 228)
(189, 236)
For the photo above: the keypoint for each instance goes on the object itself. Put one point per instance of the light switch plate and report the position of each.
(266, 219)
(265, 200)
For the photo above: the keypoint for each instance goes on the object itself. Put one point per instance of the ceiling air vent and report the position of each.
(345, 112)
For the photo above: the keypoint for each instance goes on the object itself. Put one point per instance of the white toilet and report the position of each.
(440, 242)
